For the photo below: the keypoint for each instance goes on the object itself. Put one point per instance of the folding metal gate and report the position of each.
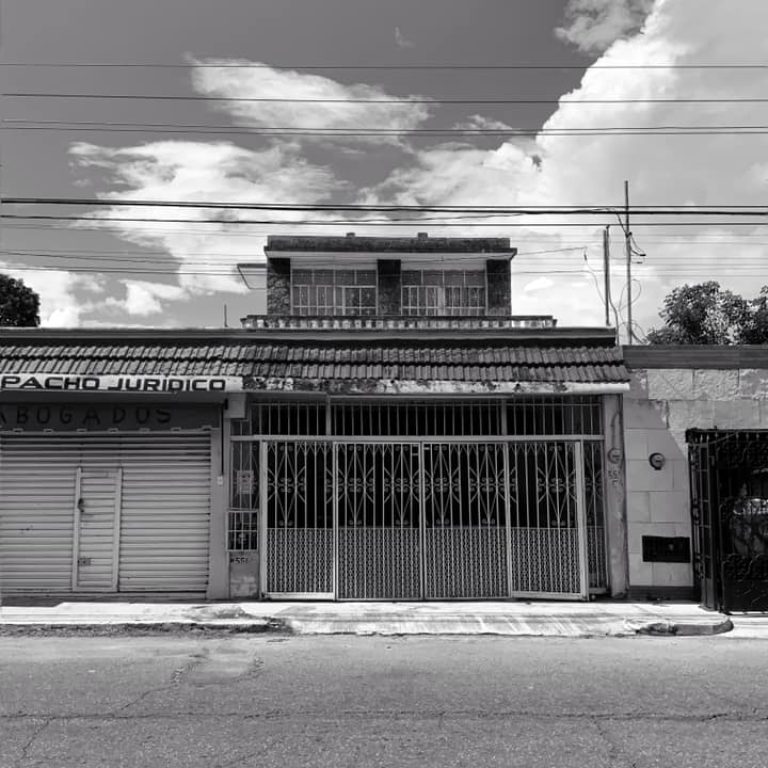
(396, 519)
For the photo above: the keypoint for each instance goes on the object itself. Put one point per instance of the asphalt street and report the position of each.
(267, 700)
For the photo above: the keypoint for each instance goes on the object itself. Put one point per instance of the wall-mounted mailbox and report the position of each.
(666, 549)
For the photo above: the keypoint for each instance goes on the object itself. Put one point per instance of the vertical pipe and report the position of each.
(262, 519)
(422, 525)
(581, 518)
(335, 514)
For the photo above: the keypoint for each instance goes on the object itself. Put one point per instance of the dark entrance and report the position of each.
(729, 507)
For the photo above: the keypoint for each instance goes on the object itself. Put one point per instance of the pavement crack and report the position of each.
(176, 678)
(30, 742)
(616, 754)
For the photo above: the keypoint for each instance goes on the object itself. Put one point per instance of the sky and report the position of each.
(210, 143)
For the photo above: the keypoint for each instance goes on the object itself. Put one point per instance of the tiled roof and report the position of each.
(259, 361)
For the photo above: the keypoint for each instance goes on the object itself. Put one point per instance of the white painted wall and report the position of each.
(661, 405)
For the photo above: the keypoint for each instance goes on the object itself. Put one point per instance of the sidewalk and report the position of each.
(514, 619)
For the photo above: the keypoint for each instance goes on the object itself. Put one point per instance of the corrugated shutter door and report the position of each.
(164, 517)
(37, 497)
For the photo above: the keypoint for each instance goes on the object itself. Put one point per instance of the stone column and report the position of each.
(389, 283)
(278, 286)
(498, 278)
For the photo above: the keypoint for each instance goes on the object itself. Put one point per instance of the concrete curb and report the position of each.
(116, 627)
(364, 620)
(678, 629)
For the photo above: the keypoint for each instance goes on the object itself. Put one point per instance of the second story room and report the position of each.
(388, 276)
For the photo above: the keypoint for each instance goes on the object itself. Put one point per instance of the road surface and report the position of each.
(214, 701)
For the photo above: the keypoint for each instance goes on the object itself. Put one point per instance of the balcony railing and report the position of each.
(331, 323)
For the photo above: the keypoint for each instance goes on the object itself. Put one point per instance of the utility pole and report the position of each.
(607, 275)
(628, 246)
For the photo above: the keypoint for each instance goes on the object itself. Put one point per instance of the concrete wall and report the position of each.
(661, 405)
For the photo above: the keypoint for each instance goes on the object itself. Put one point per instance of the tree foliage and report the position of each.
(707, 314)
(19, 304)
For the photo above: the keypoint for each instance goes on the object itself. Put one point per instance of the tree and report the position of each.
(19, 305)
(707, 314)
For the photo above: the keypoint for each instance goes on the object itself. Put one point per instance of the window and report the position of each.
(333, 291)
(446, 292)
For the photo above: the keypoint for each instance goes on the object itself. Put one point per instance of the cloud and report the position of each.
(593, 25)
(203, 255)
(482, 123)
(330, 105)
(590, 170)
(400, 39)
(63, 295)
(145, 298)
(540, 284)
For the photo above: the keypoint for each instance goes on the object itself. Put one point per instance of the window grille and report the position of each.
(283, 418)
(453, 292)
(413, 419)
(555, 416)
(333, 291)
(243, 518)
(243, 531)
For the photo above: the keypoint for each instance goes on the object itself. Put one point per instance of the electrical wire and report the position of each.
(412, 100)
(367, 67)
(63, 126)
(319, 223)
(485, 210)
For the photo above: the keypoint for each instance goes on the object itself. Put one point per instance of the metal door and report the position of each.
(378, 512)
(548, 543)
(97, 529)
(465, 520)
(299, 522)
(426, 520)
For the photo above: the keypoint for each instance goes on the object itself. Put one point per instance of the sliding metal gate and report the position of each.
(397, 519)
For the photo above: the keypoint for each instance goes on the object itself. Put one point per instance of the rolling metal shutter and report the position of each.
(165, 509)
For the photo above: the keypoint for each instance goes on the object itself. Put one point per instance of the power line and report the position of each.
(407, 67)
(490, 210)
(661, 130)
(240, 222)
(414, 100)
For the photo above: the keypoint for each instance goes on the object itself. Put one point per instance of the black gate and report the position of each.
(729, 508)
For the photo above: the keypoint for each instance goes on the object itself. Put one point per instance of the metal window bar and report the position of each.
(334, 292)
(243, 516)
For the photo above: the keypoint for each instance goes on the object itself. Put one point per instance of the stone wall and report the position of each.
(661, 405)
(278, 286)
(389, 287)
(498, 273)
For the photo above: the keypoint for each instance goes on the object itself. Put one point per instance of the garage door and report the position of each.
(164, 503)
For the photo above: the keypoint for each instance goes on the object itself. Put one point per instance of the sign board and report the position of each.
(70, 417)
(23, 382)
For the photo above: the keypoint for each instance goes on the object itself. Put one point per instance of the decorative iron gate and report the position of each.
(465, 520)
(378, 513)
(396, 519)
(299, 520)
(729, 511)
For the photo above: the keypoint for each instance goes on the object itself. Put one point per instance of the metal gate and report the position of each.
(396, 519)
(729, 511)
(299, 521)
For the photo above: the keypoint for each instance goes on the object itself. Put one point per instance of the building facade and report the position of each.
(388, 430)
(696, 436)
